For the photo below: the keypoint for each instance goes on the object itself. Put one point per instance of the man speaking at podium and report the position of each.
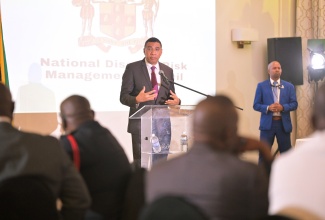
(142, 85)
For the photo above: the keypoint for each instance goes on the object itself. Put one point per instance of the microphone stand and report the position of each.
(169, 81)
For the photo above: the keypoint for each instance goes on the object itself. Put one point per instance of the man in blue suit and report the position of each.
(275, 98)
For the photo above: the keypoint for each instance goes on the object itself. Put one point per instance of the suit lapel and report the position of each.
(269, 89)
(146, 76)
(283, 93)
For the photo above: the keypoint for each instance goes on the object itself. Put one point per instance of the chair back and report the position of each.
(27, 197)
(172, 208)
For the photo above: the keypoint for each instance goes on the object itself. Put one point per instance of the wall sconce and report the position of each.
(243, 36)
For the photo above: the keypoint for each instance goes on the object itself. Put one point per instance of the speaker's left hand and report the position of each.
(174, 101)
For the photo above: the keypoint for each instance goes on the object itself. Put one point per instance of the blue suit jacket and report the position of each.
(264, 98)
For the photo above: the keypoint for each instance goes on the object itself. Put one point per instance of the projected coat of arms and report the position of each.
(117, 23)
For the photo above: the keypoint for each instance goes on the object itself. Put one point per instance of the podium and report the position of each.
(168, 123)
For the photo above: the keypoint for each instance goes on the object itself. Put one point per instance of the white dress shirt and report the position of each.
(277, 95)
(156, 72)
(298, 179)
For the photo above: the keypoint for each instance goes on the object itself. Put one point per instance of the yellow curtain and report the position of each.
(3, 63)
(310, 24)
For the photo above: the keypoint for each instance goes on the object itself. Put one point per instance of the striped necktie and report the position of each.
(275, 91)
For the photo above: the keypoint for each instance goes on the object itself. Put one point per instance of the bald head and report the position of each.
(274, 70)
(6, 103)
(75, 110)
(318, 116)
(215, 121)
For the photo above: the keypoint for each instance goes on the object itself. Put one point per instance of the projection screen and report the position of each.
(56, 48)
(82, 47)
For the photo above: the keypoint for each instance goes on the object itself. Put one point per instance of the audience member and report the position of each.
(103, 162)
(211, 175)
(28, 154)
(296, 180)
(27, 198)
(135, 199)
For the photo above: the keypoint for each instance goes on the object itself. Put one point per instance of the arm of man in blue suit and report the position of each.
(289, 99)
(260, 102)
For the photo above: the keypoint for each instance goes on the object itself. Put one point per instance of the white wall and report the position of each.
(239, 70)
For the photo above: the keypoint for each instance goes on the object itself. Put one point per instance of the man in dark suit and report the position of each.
(137, 91)
(103, 162)
(27, 154)
(275, 98)
(211, 175)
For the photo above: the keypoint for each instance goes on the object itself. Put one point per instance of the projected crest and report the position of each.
(117, 21)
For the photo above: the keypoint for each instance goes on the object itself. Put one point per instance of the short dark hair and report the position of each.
(152, 39)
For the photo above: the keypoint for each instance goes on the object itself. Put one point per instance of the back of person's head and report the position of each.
(318, 115)
(6, 103)
(75, 110)
(215, 123)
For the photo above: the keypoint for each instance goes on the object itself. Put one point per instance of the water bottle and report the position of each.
(155, 143)
(184, 142)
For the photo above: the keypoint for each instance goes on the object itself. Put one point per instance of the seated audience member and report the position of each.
(134, 198)
(296, 180)
(211, 175)
(27, 198)
(103, 162)
(28, 154)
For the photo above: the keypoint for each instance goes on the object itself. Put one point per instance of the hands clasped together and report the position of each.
(276, 107)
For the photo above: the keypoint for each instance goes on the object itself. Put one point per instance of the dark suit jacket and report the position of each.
(104, 167)
(27, 154)
(219, 183)
(134, 78)
(264, 98)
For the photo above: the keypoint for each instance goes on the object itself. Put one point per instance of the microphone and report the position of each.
(162, 74)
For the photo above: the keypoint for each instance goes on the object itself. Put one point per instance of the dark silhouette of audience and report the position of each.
(211, 178)
(211, 175)
(29, 154)
(28, 198)
(103, 162)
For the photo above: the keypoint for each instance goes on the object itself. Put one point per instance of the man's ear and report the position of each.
(12, 110)
(93, 113)
(12, 107)
(64, 122)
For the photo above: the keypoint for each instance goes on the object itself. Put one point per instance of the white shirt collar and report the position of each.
(150, 65)
(279, 82)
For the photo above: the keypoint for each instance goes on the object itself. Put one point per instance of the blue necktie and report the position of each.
(275, 91)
